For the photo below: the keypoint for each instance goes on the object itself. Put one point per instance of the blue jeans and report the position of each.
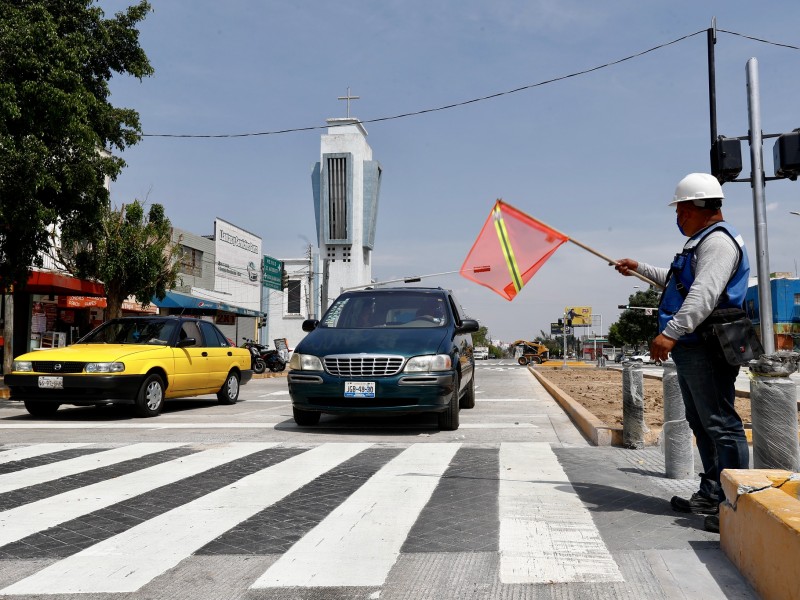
(707, 385)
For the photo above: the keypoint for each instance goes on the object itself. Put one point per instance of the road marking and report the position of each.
(15, 454)
(546, 533)
(283, 425)
(73, 466)
(359, 542)
(27, 519)
(505, 400)
(126, 562)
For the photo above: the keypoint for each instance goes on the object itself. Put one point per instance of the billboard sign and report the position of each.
(272, 268)
(581, 315)
(237, 271)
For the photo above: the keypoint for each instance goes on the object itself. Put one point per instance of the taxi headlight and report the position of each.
(428, 363)
(305, 362)
(23, 365)
(104, 367)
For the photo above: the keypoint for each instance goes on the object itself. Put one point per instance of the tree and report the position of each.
(481, 337)
(635, 326)
(132, 255)
(56, 121)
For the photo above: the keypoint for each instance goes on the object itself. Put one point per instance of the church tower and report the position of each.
(346, 184)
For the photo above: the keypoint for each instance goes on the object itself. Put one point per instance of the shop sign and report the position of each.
(133, 306)
(82, 302)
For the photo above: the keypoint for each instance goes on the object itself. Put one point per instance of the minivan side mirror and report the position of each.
(310, 324)
(468, 326)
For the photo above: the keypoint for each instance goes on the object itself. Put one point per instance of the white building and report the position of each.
(346, 186)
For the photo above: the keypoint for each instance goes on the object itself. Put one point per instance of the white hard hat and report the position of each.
(698, 187)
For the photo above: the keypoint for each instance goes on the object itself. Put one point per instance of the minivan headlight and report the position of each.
(428, 363)
(104, 367)
(23, 365)
(305, 362)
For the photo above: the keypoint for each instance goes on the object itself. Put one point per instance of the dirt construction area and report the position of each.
(600, 392)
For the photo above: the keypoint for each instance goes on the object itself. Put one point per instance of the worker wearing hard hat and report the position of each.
(705, 283)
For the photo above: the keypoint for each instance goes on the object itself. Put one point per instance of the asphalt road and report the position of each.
(211, 501)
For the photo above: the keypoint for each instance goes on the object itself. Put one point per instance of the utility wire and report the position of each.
(440, 108)
(755, 39)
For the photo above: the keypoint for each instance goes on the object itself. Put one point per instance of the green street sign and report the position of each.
(272, 268)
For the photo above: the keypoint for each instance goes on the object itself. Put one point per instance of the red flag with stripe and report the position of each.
(509, 250)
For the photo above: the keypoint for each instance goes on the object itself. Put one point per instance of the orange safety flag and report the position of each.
(509, 250)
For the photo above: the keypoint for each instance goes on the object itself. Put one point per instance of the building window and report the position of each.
(796, 299)
(293, 297)
(337, 198)
(191, 261)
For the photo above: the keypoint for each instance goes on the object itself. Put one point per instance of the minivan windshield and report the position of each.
(155, 332)
(366, 310)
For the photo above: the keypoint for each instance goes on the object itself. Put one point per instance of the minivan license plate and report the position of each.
(52, 383)
(359, 389)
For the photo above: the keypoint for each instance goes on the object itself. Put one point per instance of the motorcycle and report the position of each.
(267, 359)
(257, 362)
(274, 360)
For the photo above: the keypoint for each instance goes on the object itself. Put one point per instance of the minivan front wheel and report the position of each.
(305, 418)
(448, 420)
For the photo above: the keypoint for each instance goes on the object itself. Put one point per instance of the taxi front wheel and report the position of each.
(150, 400)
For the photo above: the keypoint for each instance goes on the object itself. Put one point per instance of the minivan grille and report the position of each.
(48, 366)
(363, 365)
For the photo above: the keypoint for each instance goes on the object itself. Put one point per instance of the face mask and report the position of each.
(678, 223)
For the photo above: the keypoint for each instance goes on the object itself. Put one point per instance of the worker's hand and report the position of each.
(626, 266)
(661, 347)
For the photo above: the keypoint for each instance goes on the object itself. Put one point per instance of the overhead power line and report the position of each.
(473, 100)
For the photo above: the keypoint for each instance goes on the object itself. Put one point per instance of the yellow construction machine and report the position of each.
(530, 352)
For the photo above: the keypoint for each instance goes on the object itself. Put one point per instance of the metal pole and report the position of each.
(759, 207)
(711, 35)
(564, 335)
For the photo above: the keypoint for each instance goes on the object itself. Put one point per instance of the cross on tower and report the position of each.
(348, 98)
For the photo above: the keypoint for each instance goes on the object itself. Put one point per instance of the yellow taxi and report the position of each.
(140, 361)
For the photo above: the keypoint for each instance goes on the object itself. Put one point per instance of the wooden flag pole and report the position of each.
(612, 262)
(608, 259)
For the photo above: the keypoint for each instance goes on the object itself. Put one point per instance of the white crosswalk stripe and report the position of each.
(544, 533)
(14, 454)
(73, 466)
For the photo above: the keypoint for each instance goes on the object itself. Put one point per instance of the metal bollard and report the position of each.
(773, 406)
(676, 435)
(633, 426)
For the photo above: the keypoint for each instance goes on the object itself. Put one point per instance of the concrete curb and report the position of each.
(593, 428)
(760, 529)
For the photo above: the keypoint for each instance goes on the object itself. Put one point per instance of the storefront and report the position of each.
(44, 315)
(234, 321)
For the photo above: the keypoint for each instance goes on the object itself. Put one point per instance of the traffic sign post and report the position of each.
(272, 268)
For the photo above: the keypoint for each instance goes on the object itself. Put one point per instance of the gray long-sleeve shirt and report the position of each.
(714, 262)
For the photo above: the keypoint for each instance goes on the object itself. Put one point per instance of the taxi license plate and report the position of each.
(51, 383)
(359, 389)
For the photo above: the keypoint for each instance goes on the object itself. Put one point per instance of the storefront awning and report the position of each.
(61, 284)
(177, 300)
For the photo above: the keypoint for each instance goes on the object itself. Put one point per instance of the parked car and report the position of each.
(481, 353)
(644, 358)
(139, 361)
(391, 350)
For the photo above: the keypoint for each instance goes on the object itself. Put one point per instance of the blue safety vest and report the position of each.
(681, 278)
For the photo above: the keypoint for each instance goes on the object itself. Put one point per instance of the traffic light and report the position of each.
(786, 155)
(726, 158)
(622, 306)
(284, 279)
(569, 322)
(561, 322)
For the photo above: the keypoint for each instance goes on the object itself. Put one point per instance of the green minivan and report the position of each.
(388, 350)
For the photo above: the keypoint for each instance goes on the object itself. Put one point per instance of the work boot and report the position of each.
(697, 504)
(711, 523)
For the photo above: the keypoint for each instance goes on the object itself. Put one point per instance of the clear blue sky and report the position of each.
(596, 156)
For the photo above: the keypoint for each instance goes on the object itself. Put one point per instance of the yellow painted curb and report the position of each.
(593, 428)
(760, 529)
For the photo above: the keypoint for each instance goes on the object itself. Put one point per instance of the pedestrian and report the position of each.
(706, 283)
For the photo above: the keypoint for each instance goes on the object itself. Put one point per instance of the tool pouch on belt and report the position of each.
(731, 334)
